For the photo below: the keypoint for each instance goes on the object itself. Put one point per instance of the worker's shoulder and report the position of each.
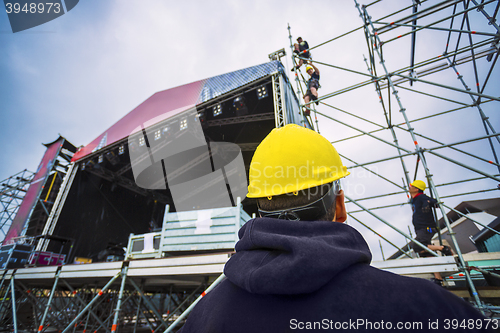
(387, 285)
(375, 276)
(424, 197)
(418, 292)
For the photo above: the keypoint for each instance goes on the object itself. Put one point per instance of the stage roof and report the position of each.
(170, 102)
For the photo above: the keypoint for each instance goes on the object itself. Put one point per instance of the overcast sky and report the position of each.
(80, 73)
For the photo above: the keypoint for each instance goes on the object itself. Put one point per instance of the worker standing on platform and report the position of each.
(312, 86)
(295, 269)
(425, 224)
(423, 219)
(302, 51)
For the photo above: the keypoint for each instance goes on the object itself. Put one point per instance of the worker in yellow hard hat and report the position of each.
(295, 269)
(312, 86)
(299, 178)
(424, 222)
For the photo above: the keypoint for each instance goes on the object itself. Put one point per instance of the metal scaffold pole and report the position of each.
(296, 71)
(487, 124)
(4, 311)
(151, 306)
(191, 307)
(386, 114)
(82, 302)
(13, 303)
(49, 302)
(120, 297)
(89, 305)
(387, 240)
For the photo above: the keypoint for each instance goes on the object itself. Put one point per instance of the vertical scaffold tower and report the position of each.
(12, 192)
(433, 62)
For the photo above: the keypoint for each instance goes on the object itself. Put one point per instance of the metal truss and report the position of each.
(279, 102)
(91, 308)
(12, 191)
(240, 120)
(58, 205)
(400, 70)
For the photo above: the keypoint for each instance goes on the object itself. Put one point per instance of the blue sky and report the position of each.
(80, 73)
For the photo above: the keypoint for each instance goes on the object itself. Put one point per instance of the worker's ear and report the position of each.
(340, 212)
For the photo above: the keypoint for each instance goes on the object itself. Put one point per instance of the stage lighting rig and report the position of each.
(240, 106)
(217, 110)
(183, 124)
(165, 132)
(142, 141)
(202, 118)
(262, 92)
(112, 158)
(276, 55)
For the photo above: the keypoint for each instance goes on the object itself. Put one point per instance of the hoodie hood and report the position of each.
(285, 257)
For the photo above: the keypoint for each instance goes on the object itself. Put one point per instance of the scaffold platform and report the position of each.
(191, 269)
(186, 271)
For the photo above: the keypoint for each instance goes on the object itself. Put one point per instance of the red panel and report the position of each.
(42, 258)
(162, 105)
(34, 191)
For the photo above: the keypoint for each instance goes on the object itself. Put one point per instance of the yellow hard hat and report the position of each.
(308, 68)
(290, 159)
(419, 184)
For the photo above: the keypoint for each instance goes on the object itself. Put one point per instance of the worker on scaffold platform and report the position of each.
(301, 48)
(423, 219)
(425, 224)
(312, 86)
(299, 267)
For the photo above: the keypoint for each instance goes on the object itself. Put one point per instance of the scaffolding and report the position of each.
(12, 192)
(135, 295)
(458, 39)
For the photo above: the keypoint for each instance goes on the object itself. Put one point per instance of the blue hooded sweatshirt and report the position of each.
(315, 276)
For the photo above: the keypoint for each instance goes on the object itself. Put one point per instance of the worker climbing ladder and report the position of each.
(308, 107)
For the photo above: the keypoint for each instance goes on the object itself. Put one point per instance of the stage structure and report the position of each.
(36, 206)
(43, 189)
(116, 183)
(433, 63)
(122, 191)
